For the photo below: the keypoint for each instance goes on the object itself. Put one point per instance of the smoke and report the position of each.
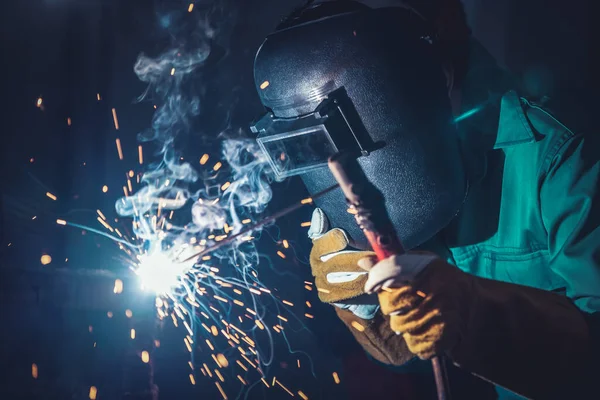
(172, 79)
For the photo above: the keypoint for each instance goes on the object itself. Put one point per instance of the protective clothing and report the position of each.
(334, 262)
(327, 88)
(541, 232)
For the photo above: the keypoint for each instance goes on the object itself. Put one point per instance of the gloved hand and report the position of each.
(423, 296)
(339, 280)
(531, 341)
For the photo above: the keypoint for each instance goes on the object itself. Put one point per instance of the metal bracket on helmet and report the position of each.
(297, 145)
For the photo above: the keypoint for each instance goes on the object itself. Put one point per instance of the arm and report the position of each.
(537, 343)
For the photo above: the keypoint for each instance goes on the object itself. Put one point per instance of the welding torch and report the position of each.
(367, 204)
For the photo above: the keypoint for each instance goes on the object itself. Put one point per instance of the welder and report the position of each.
(496, 197)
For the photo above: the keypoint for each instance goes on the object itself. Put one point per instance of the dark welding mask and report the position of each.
(340, 76)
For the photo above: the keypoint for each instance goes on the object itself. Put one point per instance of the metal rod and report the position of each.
(368, 206)
(259, 224)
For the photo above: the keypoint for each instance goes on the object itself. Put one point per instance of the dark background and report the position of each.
(68, 51)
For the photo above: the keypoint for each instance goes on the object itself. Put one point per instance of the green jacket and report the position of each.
(532, 216)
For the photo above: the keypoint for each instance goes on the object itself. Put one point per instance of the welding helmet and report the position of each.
(340, 76)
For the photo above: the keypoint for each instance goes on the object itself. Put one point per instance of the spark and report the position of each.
(145, 357)
(190, 7)
(217, 166)
(93, 392)
(280, 254)
(34, 371)
(115, 119)
(308, 315)
(132, 333)
(104, 189)
(287, 303)
(221, 390)
(284, 388)
(118, 286)
(336, 378)
(192, 380)
(225, 186)
(265, 382)
(358, 326)
(301, 394)
(39, 102)
(222, 360)
(45, 259)
(242, 380)
(264, 85)
(219, 375)
(305, 224)
(128, 313)
(286, 244)
(109, 314)
(69, 121)
(98, 96)
(51, 196)
(101, 214)
(140, 155)
(172, 71)
(306, 201)
(203, 159)
(187, 344)
(119, 150)
(282, 318)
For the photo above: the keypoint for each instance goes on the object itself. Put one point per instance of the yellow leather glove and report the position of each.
(422, 294)
(333, 261)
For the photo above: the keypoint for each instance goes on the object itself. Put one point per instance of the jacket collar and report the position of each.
(513, 125)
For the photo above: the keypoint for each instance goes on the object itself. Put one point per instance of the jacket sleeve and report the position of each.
(570, 206)
(537, 343)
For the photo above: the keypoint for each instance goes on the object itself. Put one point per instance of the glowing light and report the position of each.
(305, 224)
(31, 160)
(132, 333)
(221, 391)
(128, 313)
(93, 393)
(140, 155)
(336, 378)
(51, 196)
(145, 357)
(280, 254)
(222, 360)
(284, 388)
(119, 149)
(161, 273)
(104, 189)
(69, 121)
(115, 119)
(98, 96)
(192, 379)
(217, 166)
(285, 244)
(301, 394)
(203, 159)
(225, 186)
(264, 85)
(172, 71)
(61, 222)
(118, 286)
(306, 201)
(45, 259)
(109, 314)
(358, 326)
(191, 7)
(34, 371)
(39, 102)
